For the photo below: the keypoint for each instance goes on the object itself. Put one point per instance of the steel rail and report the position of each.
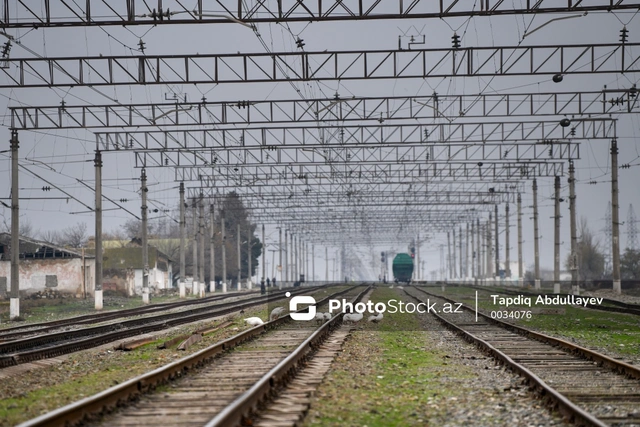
(613, 364)
(622, 307)
(239, 411)
(113, 332)
(113, 397)
(565, 405)
(110, 315)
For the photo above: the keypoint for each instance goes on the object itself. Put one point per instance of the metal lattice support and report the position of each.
(325, 110)
(59, 13)
(305, 66)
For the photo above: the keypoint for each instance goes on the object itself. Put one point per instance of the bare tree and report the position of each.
(26, 228)
(590, 260)
(74, 236)
(50, 236)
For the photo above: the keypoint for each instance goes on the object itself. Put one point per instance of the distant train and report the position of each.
(402, 267)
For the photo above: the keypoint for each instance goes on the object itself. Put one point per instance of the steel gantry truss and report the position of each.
(275, 139)
(391, 154)
(60, 13)
(355, 192)
(380, 109)
(306, 66)
(361, 198)
(434, 172)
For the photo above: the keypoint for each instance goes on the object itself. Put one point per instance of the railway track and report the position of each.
(223, 385)
(612, 307)
(87, 319)
(587, 387)
(55, 344)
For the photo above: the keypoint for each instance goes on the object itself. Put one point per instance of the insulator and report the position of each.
(624, 34)
(455, 40)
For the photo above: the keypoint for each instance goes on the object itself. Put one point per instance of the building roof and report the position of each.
(130, 257)
(36, 249)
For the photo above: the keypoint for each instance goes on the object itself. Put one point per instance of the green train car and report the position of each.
(402, 267)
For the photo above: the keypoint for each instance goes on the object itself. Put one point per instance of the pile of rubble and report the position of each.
(49, 294)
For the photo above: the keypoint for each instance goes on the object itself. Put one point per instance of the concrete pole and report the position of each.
(301, 256)
(536, 237)
(449, 269)
(313, 263)
(145, 244)
(615, 240)
(195, 289)
(453, 247)
(572, 224)
(466, 253)
(520, 266)
(279, 253)
(183, 263)
(98, 232)
(264, 254)
(14, 293)
(460, 239)
(507, 257)
(418, 256)
(290, 251)
(489, 261)
(239, 257)
(201, 251)
(294, 259)
(224, 252)
(482, 244)
(249, 271)
(473, 254)
(556, 237)
(497, 242)
(478, 248)
(306, 260)
(285, 265)
(326, 265)
(212, 250)
(296, 256)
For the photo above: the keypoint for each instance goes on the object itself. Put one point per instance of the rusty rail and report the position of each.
(565, 406)
(111, 398)
(613, 364)
(240, 409)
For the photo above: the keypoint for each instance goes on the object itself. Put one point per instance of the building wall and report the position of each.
(119, 280)
(67, 272)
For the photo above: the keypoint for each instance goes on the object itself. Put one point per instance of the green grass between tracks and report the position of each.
(616, 332)
(46, 310)
(85, 373)
(387, 375)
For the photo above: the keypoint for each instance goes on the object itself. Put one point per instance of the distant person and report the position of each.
(268, 282)
(273, 282)
(263, 290)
